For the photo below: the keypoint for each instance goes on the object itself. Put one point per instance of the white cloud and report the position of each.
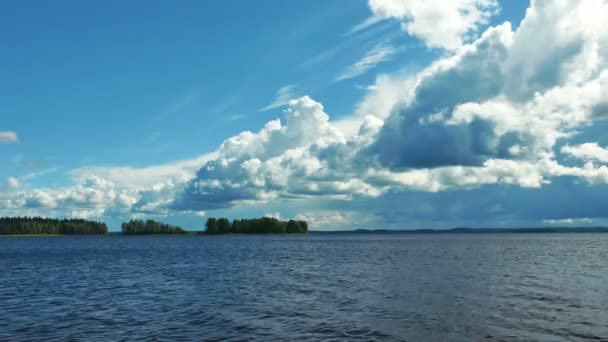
(440, 24)
(276, 215)
(144, 177)
(568, 221)
(386, 93)
(500, 98)
(380, 53)
(33, 175)
(109, 191)
(278, 160)
(282, 97)
(95, 197)
(8, 137)
(485, 115)
(588, 151)
(364, 24)
(12, 183)
(327, 219)
(490, 113)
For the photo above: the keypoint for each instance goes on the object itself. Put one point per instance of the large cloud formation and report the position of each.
(304, 157)
(497, 112)
(490, 113)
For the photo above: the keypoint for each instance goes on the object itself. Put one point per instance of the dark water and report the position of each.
(355, 287)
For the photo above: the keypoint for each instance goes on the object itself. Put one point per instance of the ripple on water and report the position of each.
(331, 288)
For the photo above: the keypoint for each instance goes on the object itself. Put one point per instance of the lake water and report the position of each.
(550, 287)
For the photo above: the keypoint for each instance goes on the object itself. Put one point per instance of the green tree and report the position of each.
(223, 226)
(138, 227)
(264, 225)
(211, 226)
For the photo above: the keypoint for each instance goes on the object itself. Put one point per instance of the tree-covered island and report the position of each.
(148, 227)
(264, 225)
(50, 226)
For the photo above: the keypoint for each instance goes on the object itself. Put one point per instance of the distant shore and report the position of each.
(454, 231)
(470, 230)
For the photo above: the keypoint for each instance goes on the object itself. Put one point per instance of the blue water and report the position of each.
(550, 287)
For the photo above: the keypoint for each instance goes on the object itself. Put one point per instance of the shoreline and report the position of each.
(453, 231)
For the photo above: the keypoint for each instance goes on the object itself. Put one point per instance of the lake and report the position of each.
(458, 287)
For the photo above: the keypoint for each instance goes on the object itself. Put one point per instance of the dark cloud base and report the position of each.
(488, 206)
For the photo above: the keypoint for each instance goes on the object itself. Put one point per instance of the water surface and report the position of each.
(546, 287)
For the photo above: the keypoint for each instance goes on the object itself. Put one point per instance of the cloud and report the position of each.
(497, 99)
(33, 175)
(8, 137)
(588, 151)
(325, 219)
(385, 94)
(568, 221)
(276, 161)
(95, 197)
(380, 53)
(282, 97)
(276, 215)
(491, 113)
(119, 192)
(438, 23)
(475, 134)
(143, 177)
(364, 24)
(12, 183)
(492, 205)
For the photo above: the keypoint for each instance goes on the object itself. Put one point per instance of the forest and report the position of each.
(49, 226)
(139, 227)
(264, 225)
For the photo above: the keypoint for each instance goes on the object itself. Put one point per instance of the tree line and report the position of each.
(264, 225)
(139, 227)
(50, 226)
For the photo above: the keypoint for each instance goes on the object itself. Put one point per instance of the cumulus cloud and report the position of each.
(380, 53)
(94, 197)
(324, 219)
(8, 137)
(121, 192)
(387, 92)
(588, 151)
(290, 159)
(491, 114)
(440, 24)
(499, 99)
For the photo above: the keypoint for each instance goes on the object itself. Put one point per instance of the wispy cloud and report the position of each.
(182, 103)
(33, 175)
(179, 105)
(8, 137)
(282, 97)
(364, 24)
(380, 53)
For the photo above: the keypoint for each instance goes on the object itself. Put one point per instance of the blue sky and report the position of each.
(405, 113)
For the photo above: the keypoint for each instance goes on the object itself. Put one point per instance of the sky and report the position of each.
(393, 114)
